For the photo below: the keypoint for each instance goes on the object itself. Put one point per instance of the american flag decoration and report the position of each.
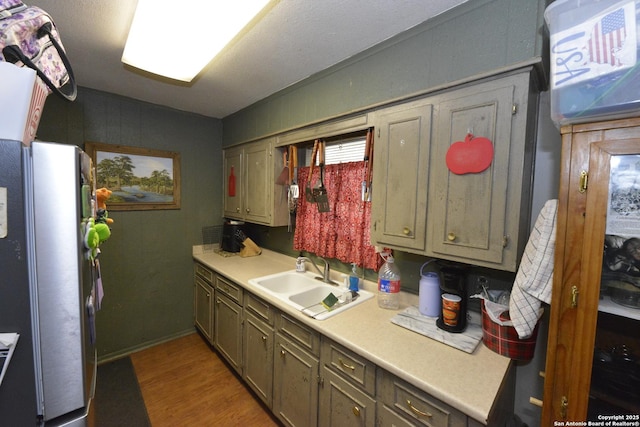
(601, 45)
(607, 37)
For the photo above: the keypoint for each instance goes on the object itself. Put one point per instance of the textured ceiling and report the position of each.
(294, 40)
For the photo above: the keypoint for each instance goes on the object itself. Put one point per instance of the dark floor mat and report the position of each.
(118, 400)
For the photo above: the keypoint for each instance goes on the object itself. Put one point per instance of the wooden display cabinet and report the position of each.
(598, 202)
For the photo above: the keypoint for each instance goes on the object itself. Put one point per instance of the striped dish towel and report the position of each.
(534, 278)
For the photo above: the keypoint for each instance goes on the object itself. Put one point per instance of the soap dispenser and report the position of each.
(354, 280)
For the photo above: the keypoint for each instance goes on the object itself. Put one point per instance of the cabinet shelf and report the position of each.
(607, 306)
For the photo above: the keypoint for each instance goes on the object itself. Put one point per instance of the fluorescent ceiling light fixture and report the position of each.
(178, 39)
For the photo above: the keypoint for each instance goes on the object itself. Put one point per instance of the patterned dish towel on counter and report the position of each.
(534, 278)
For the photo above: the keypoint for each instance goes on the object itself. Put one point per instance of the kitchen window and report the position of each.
(343, 232)
(341, 149)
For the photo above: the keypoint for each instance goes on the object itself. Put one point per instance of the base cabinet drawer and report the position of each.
(354, 368)
(414, 405)
(301, 335)
(387, 417)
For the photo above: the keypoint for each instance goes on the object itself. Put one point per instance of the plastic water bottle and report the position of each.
(389, 284)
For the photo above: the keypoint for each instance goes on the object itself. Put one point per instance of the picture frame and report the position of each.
(139, 178)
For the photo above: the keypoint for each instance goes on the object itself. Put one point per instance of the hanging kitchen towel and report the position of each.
(534, 278)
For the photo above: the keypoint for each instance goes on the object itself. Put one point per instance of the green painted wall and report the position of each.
(478, 37)
(147, 266)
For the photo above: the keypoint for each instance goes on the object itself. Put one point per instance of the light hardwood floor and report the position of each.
(184, 382)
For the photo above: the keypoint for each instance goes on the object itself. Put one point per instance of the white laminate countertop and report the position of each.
(469, 382)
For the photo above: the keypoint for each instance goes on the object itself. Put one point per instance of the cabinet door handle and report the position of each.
(574, 296)
(451, 236)
(248, 210)
(264, 339)
(417, 411)
(406, 231)
(564, 404)
(344, 365)
(584, 181)
(238, 210)
(282, 354)
(356, 411)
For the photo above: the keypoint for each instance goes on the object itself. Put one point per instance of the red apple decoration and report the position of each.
(473, 155)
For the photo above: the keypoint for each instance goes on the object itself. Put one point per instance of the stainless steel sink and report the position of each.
(305, 292)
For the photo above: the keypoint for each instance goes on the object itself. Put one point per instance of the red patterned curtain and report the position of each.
(342, 233)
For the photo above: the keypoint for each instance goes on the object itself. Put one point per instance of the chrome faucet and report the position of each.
(326, 275)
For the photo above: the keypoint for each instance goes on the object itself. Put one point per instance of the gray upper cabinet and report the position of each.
(483, 217)
(233, 193)
(400, 179)
(257, 198)
(468, 211)
(419, 205)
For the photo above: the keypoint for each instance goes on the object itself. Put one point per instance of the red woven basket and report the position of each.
(504, 340)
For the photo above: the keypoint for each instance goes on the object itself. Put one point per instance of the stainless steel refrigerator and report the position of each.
(47, 284)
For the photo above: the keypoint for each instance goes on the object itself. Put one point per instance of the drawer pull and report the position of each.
(356, 411)
(344, 365)
(417, 411)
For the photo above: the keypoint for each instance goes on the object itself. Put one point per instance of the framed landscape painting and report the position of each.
(139, 178)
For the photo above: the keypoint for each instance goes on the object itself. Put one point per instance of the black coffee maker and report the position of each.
(453, 281)
(231, 232)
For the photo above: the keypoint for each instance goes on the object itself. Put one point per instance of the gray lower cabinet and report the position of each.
(343, 404)
(228, 322)
(203, 301)
(258, 346)
(307, 379)
(400, 403)
(347, 388)
(295, 373)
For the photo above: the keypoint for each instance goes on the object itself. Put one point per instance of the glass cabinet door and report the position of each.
(611, 265)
